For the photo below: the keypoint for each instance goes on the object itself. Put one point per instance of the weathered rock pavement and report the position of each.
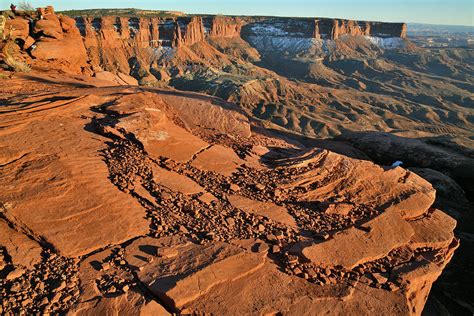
(122, 201)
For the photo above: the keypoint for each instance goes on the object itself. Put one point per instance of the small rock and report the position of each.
(18, 272)
(44, 301)
(297, 271)
(105, 266)
(61, 286)
(275, 249)
(26, 302)
(261, 247)
(56, 297)
(393, 287)
(380, 278)
(292, 259)
(183, 229)
(322, 236)
(16, 287)
(234, 187)
(230, 221)
(366, 279)
(166, 252)
(261, 228)
(279, 234)
(40, 286)
(271, 238)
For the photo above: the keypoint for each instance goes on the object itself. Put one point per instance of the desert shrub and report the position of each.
(10, 61)
(3, 20)
(25, 6)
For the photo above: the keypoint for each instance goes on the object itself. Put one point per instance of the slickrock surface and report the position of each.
(121, 195)
(22, 250)
(358, 245)
(217, 159)
(270, 210)
(119, 200)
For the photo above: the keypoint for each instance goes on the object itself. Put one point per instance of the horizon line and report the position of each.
(262, 15)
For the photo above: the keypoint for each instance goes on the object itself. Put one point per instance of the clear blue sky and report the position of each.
(454, 12)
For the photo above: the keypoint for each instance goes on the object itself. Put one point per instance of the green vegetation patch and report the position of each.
(123, 13)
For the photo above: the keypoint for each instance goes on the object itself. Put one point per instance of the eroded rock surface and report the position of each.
(357, 245)
(127, 204)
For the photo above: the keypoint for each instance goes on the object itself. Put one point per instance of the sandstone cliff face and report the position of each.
(133, 45)
(190, 30)
(223, 26)
(324, 28)
(122, 44)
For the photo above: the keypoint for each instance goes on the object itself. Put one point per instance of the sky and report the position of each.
(451, 12)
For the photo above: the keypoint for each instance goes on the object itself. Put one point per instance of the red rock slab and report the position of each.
(417, 276)
(193, 271)
(92, 302)
(359, 182)
(109, 77)
(207, 198)
(267, 209)
(129, 80)
(90, 270)
(69, 49)
(133, 102)
(218, 159)
(116, 79)
(339, 209)
(131, 303)
(355, 246)
(160, 136)
(175, 181)
(200, 113)
(60, 189)
(22, 250)
(269, 291)
(435, 230)
(141, 191)
(253, 159)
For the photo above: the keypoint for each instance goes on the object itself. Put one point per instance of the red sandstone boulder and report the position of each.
(67, 24)
(69, 49)
(49, 26)
(29, 41)
(17, 28)
(59, 40)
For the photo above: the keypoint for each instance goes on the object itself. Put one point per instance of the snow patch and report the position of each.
(387, 43)
(164, 53)
(268, 30)
(291, 44)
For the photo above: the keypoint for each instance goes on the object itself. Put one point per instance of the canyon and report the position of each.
(232, 165)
